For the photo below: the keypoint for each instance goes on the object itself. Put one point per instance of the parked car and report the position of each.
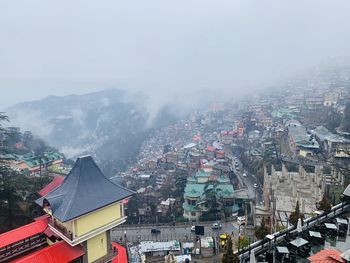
(216, 225)
(193, 228)
(155, 231)
(244, 174)
(241, 220)
(256, 185)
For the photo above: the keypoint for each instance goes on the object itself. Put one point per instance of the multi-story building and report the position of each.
(333, 145)
(76, 227)
(195, 194)
(300, 141)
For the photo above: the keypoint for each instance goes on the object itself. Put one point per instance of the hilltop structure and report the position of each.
(76, 227)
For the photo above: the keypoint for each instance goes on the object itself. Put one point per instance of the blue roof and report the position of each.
(84, 190)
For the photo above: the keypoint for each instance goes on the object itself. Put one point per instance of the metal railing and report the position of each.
(106, 258)
(264, 244)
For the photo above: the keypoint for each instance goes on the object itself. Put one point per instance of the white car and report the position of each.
(216, 225)
(244, 175)
(241, 220)
(193, 228)
(255, 185)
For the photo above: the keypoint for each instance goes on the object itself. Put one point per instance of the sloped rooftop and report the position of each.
(84, 190)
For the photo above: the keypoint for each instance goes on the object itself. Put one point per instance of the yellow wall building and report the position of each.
(84, 208)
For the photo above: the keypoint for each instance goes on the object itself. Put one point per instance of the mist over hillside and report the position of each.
(109, 124)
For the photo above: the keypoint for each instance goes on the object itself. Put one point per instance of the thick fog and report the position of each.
(174, 50)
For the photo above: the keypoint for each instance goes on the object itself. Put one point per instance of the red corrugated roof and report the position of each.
(59, 252)
(23, 232)
(327, 256)
(121, 256)
(56, 182)
(41, 217)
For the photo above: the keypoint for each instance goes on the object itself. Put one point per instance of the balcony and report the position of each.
(106, 258)
(73, 240)
(62, 230)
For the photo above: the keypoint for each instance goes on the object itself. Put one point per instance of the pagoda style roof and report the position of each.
(84, 190)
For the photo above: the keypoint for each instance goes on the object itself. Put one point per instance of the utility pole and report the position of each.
(246, 217)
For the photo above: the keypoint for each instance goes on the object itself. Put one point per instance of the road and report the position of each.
(179, 232)
(247, 181)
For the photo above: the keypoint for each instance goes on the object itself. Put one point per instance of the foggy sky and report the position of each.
(168, 48)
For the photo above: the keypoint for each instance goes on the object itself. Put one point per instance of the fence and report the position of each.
(262, 245)
(154, 237)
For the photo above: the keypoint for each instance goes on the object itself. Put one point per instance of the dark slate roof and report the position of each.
(84, 190)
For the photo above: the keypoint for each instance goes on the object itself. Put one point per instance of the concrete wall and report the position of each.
(97, 219)
(97, 247)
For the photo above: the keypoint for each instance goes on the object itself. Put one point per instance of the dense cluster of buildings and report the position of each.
(32, 164)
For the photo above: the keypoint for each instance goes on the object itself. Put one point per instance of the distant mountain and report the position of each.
(110, 124)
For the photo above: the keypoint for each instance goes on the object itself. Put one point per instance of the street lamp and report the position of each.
(239, 236)
(125, 237)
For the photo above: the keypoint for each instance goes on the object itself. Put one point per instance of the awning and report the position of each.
(331, 226)
(341, 221)
(299, 242)
(282, 250)
(315, 234)
(57, 253)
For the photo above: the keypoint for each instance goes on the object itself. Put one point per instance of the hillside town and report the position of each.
(231, 175)
(250, 163)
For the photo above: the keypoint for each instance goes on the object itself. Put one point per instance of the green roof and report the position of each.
(197, 190)
(194, 190)
(202, 173)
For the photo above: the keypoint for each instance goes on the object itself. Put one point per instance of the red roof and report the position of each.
(41, 217)
(121, 256)
(59, 252)
(23, 232)
(328, 255)
(211, 148)
(56, 182)
(220, 152)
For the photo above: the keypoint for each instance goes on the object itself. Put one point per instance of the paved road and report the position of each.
(179, 232)
(247, 181)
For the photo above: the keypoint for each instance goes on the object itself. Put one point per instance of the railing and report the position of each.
(264, 244)
(21, 246)
(61, 229)
(106, 258)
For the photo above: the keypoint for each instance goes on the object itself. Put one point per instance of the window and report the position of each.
(121, 210)
(193, 214)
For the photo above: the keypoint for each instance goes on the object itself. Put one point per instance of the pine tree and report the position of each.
(261, 231)
(229, 256)
(325, 205)
(295, 215)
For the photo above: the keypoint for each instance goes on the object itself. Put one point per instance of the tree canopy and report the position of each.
(295, 215)
(17, 192)
(229, 256)
(262, 230)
